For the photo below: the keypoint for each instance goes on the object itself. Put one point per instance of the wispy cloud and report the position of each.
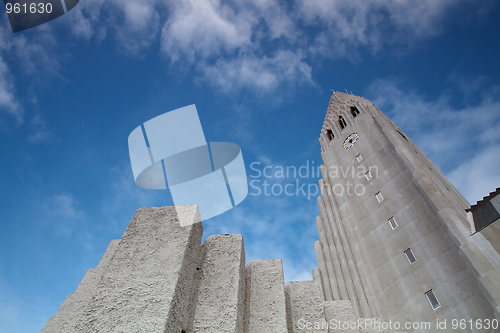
(134, 24)
(81, 26)
(203, 28)
(61, 212)
(479, 175)
(461, 141)
(40, 133)
(8, 101)
(263, 73)
(140, 26)
(35, 56)
(345, 25)
(246, 44)
(38, 53)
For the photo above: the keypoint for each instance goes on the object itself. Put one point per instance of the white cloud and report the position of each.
(8, 101)
(38, 53)
(258, 44)
(479, 175)
(199, 32)
(278, 20)
(204, 28)
(348, 24)
(140, 27)
(138, 14)
(134, 24)
(248, 44)
(263, 73)
(459, 141)
(80, 25)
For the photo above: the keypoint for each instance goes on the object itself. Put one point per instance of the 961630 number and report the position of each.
(32, 8)
(475, 324)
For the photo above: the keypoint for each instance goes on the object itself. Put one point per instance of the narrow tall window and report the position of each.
(359, 158)
(354, 111)
(379, 197)
(329, 134)
(368, 175)
(433, 301)
(392, 222)
(342, 122)
(410, 256)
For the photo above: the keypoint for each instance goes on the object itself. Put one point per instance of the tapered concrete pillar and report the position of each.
(325, 280)
(265, 309)
(146, 285)
(332, 263)
(220, 298)
(316, 274)
(305, 309)
(337, 251)
(353, 281)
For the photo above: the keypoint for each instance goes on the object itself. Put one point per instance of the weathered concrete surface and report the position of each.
(265, 309)
(147, 283)
(75, 304)
(221, 289)
(305, 310)
(431, 218)
(341, 319)
(159, 278)
(337, 313)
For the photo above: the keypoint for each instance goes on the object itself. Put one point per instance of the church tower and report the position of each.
(394, 237)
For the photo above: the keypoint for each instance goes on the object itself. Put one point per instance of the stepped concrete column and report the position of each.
(324, 277)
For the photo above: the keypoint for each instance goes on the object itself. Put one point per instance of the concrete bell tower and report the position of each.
(394, 237)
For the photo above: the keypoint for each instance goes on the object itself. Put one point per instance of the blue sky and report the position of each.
(260, 74)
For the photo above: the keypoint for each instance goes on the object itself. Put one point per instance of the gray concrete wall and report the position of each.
(431, 219)
(159, 278)
(265, 309)
(305, 308)
(144, 285)
(219, 305)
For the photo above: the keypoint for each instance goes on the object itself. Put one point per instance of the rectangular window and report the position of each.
(379, 197)
(368, 175)
(432, 300)
(410, 256)
(354, 111)
(330, 135)
(392, 222)
(359, 158)
(342, 122)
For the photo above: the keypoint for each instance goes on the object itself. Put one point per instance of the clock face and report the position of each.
(350, 140)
